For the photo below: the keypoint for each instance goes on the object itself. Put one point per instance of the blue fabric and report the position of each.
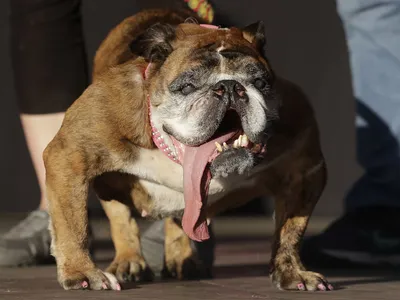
(372, 29)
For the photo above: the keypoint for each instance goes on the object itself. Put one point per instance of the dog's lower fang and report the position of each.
(219, 147)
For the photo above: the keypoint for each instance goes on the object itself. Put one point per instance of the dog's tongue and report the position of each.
(196, 179)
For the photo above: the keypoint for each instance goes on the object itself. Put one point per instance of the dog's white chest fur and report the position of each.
(163, 181)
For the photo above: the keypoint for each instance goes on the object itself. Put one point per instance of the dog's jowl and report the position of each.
(182, 121)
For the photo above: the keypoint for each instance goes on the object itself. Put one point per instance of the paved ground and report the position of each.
(240, 273)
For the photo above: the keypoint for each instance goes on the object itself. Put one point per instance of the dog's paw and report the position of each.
(130, 268)
(232, 161)
(93, 279)
(185, 268)
(300, 280)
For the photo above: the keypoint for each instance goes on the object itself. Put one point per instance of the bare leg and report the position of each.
(39, 131)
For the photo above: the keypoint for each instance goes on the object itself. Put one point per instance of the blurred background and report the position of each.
(305, 43)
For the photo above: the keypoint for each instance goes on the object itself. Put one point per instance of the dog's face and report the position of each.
(205, 82)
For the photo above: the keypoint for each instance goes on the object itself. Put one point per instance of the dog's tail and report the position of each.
(115, 50)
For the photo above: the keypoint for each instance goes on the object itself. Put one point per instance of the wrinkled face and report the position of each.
(211, 83)
(220, 87)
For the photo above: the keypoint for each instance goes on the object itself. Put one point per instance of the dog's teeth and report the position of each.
(240, 140)
(245, 141)
(226, 147)
(208, 221)
(236, 144)
(219, 147)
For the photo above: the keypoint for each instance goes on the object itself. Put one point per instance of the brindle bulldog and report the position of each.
(182, 121)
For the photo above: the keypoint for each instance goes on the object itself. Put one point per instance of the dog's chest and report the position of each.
(162, 179)
(166, 201)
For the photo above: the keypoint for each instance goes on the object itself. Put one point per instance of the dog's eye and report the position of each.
(187, 89)
(260, 83)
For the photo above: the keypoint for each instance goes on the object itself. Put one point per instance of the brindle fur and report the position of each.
(108, 127)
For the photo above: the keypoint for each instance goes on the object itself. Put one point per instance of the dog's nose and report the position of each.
(230, 88)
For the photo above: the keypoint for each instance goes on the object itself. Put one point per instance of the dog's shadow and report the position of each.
(340, 278)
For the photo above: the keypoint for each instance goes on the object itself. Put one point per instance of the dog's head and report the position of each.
(210, 89)
(205, 80)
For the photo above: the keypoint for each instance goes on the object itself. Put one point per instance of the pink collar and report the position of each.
(157, 137)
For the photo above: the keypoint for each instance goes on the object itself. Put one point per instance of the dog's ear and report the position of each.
(255, 34)
(155, 43)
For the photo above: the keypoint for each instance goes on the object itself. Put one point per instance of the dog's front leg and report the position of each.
(67, 191)
(293, 207)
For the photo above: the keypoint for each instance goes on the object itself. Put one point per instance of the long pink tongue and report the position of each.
(196, 180)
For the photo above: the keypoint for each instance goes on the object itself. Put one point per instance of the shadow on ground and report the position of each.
(340, 278)
(347, 277)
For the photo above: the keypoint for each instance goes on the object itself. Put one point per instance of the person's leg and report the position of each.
(39, 130)
(368, 233)
(49, 63)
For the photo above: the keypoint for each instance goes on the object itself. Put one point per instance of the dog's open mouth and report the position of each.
(196, 172)
(239, 139)
(229, 135)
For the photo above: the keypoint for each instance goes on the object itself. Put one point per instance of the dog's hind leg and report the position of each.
(114, 191)
(181, 258)
(128, 264)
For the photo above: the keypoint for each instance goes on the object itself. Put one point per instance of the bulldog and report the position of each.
(182, 121)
